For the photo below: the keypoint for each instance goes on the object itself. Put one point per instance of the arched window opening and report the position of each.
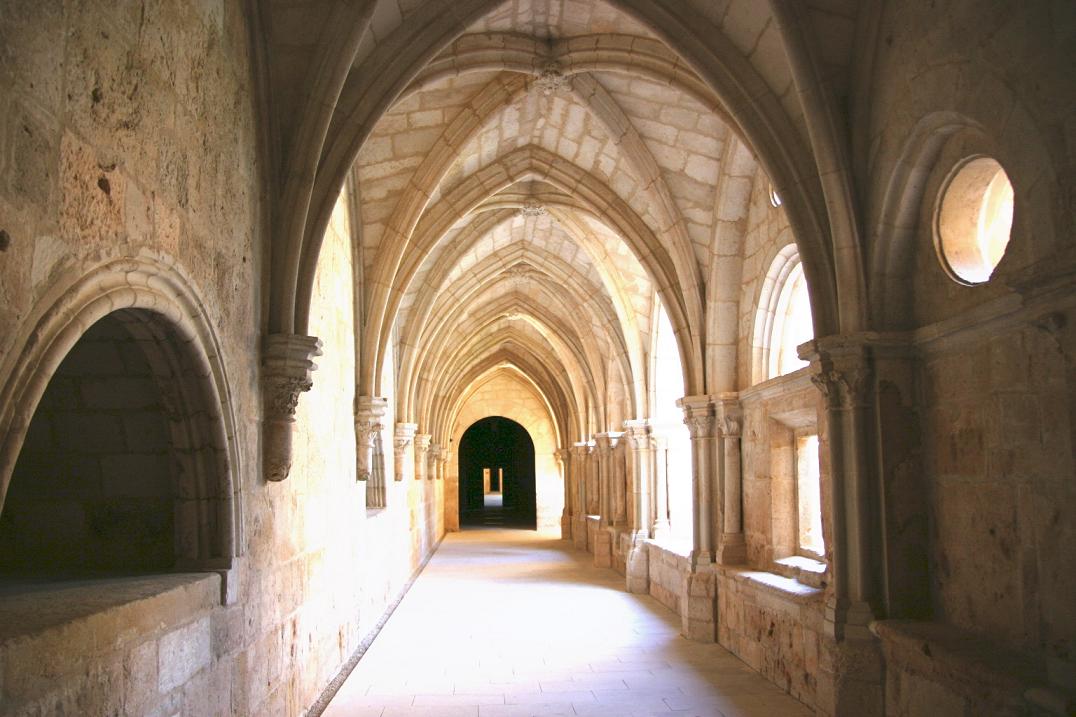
(671, 435)
(783, 319)
(123, 470)
(973, 220)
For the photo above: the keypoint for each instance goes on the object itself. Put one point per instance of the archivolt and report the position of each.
(160, 307)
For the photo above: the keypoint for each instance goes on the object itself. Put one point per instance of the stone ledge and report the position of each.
(980, 670)
(774, 584)
(28, 610)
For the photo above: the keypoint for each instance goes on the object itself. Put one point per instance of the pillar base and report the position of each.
(698, 607)
(733, 550)
(579, 532)
(637, 568)
(603, 548)
(850, 678)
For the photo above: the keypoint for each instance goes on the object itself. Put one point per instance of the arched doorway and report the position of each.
(496, 475)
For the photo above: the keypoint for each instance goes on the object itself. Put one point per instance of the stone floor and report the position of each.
(511, 623)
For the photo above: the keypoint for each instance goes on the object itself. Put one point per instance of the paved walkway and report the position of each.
(508, 623)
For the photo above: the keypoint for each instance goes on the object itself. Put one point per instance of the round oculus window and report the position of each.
(973, 220)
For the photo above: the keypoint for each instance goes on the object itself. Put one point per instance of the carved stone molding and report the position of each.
(841, 370)
(551, 79)
(369, 413)
(287, 364)
(405, 434)
(532, 208)
(422, 448)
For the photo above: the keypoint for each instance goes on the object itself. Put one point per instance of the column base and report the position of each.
(733, 550)
(637, 568)
(579, 532)
(850, 678)
(603, 548)
(698, 607)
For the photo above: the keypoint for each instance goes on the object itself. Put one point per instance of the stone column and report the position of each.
(287, 362)
(578, 466)
(603, 547)
(732, 547)
(422, 448)
(659, 488)
(369, 413)
(593, 492)
(699, 417)
(637, 564)
(698, 608)
(620, 475)
(405, 435)
(564, 457)
(851, 668)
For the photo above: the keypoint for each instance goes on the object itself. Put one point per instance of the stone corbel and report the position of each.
(433, 461)
(405, 434)
(369, 413)
(287, 362)
(422, 448)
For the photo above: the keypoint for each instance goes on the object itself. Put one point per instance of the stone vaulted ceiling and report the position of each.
(536, 220)
(537, 185)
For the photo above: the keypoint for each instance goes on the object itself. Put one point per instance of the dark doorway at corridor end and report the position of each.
(496, 475)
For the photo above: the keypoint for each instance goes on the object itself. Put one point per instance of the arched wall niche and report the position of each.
(154, 302)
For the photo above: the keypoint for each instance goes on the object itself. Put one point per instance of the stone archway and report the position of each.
(496, 475)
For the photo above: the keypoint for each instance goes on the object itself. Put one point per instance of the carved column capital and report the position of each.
(563, 455)
(287, 364)
(402, 438)
(581, 450)
(605, 442)
(422, 443)
(729, 415)
(841, 369)
(639, 434)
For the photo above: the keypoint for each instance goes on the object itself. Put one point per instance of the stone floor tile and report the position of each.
(506, 623)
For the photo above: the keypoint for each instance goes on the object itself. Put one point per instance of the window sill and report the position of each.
(776, 585)
(31, 610)
(804, 570)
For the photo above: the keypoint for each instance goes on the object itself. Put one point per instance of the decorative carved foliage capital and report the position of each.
(638, 434)
(405, 434)
(581, 450)
(287, 362)
(700, 425)
(422, 443)
(563, 454)
(844, 385)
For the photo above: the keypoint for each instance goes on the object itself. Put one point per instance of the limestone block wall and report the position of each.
(131, 132)
(505, 395)
(993, 389)
(773, 624)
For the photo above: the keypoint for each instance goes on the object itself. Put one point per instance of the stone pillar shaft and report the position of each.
(699, 417)
(659, 488)
(732, 548)
(564, 458)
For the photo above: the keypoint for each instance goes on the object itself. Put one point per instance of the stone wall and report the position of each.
(131, 133)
